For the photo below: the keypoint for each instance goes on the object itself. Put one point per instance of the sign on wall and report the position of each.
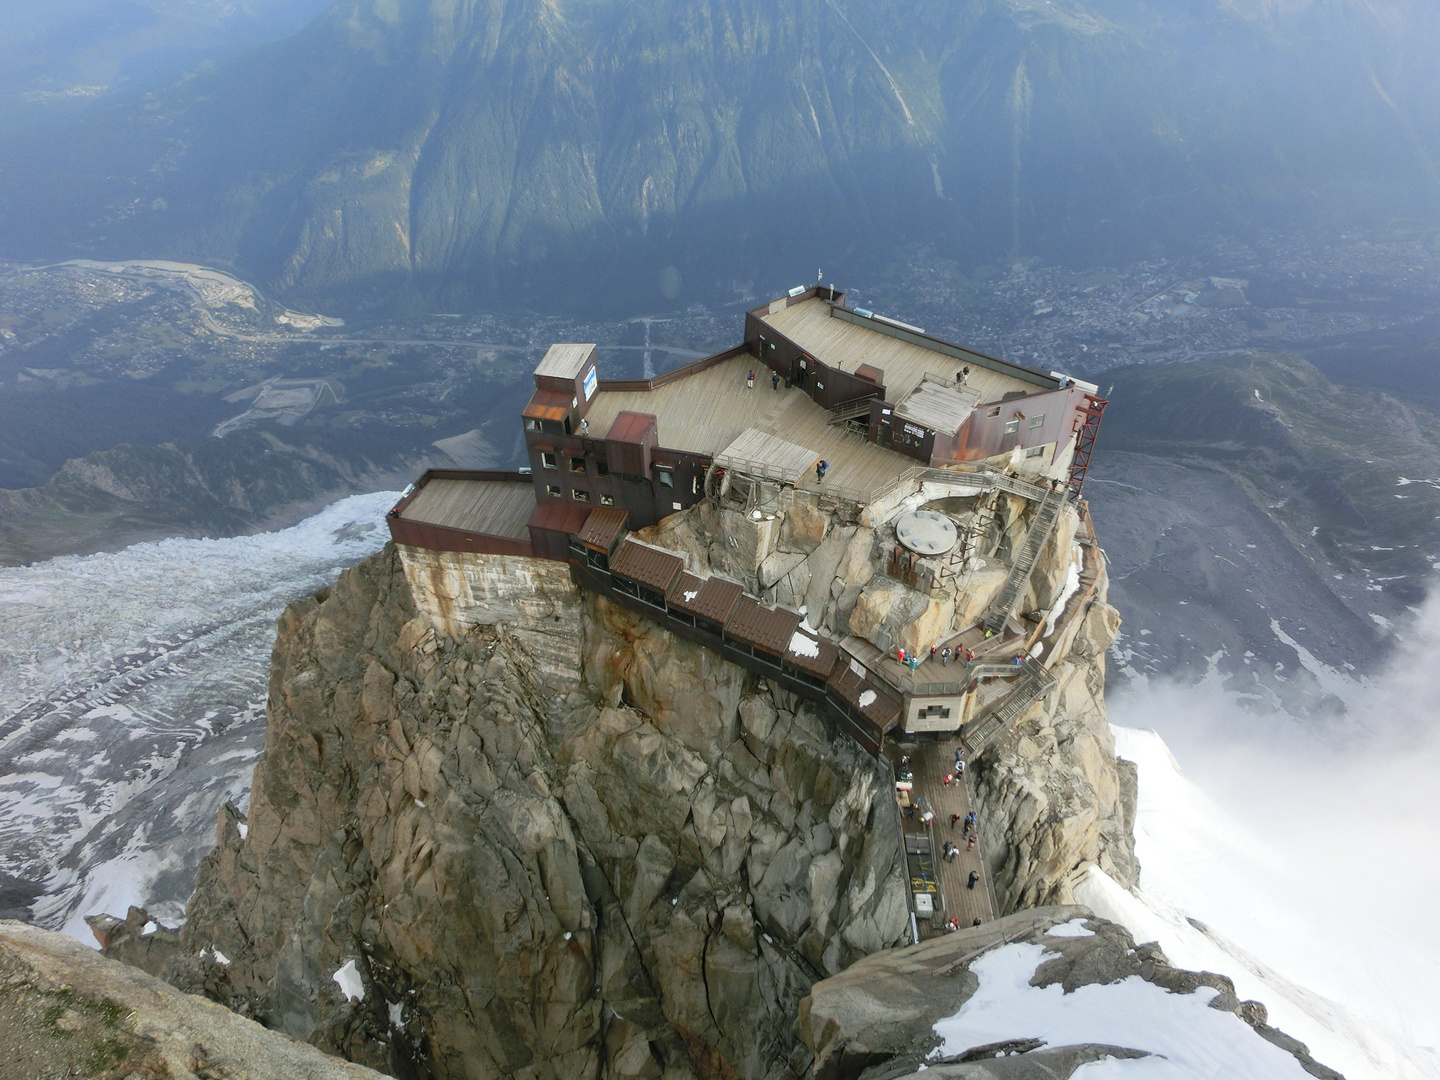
(592, 381)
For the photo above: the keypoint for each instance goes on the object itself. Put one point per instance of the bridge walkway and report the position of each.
(930, 761)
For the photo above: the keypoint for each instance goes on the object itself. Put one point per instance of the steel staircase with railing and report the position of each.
(853, 409)
(1041, 527)
(1034, 683)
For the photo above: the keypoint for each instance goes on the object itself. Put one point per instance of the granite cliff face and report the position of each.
(627, 855)
(545, 837)
(1053, 798)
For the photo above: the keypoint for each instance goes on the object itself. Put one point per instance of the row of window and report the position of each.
(578, 494)
(1012, 426)
(550, 460)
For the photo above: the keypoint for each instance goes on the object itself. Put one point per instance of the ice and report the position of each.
(220, 957)
(397, 1014)
(132, 695)
(867, 697)
(349, 981)
(1189, 1038)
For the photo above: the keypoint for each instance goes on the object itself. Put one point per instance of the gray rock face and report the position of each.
(66, 1011)
(877, 1018)
(1053, 799)
(640, 866)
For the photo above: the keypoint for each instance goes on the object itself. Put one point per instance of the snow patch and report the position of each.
(397, 1014)
(220, 957)
(801, 644)
(244, 829)
(1069, 589)
(349, 981)
(1073, 928)
(1193, 1039)
(867, 697)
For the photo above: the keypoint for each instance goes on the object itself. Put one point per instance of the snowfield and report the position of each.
(132, 705)
(1218, 898)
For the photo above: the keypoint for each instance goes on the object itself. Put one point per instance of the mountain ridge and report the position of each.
(596, 152)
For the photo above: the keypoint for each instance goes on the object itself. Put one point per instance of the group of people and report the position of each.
(952, 924)
(912, 661)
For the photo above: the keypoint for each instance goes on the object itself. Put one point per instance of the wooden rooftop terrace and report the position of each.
(490, 507)
(841, 343)
(704, 412)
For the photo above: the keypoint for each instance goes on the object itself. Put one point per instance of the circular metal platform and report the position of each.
(926, 533)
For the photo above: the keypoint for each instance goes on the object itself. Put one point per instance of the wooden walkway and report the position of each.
(931, 760)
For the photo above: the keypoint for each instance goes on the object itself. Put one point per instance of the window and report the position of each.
(667, 478)
(1037, 421)
(602, 469)
(580, 494)
(552, 490)
(533, 425)
(607, 500)
(994, 411)
(1035, 451)
(1012, 426)
(547, 461)
(695, 485)
(577, 464)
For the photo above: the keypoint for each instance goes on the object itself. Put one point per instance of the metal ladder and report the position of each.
(1015, 582)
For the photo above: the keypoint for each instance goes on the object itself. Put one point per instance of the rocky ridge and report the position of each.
(64, 1011)
(877, 1019)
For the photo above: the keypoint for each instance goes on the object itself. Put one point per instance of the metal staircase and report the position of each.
(854, 409)
(1034, 683)
(1040, 530)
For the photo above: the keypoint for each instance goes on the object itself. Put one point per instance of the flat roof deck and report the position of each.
(705, 412)
(489, 507)
(847, 345)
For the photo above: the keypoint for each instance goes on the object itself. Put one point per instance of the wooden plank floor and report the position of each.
(930, 761)
(491, 507)
(843, 344)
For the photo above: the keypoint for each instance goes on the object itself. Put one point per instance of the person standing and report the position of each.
(774, 380)
(933, 651)
(945, 656)
(821, 467)
(972, 879)
(953, 819)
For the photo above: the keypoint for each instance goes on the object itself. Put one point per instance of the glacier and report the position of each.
(132, 706)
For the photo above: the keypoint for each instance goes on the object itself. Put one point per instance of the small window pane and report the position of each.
(577, 464)
(552, 491)
(667, 478)
(1012, 426)
(547, 461)
(607, 500)
(1037, 421)
(580, 495)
